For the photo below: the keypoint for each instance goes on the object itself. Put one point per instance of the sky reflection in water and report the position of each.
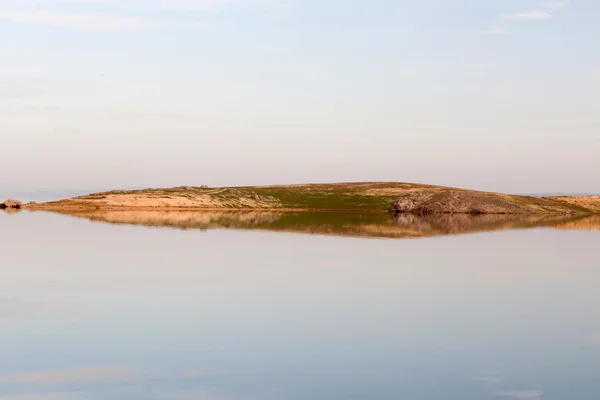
(116, 311)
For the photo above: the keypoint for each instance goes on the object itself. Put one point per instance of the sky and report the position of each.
(495, 95)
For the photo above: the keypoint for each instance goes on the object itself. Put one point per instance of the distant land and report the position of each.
(559, 194)
(42, 195)
(361, 197)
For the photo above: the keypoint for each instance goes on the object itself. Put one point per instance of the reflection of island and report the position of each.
(377, 225)
(11, 210)
(589, 223)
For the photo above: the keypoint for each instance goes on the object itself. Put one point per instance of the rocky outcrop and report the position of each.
(191, 187)
(445, 203)
(412, 204)
(14, 204)
(454, 201)
(266, 199)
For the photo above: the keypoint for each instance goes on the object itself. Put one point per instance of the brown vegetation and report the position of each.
(591, 203)
(366, 196)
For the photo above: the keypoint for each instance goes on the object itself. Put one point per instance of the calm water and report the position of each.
(97, 310)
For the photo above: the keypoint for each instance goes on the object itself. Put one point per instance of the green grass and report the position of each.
(326, 199)
(342, 197)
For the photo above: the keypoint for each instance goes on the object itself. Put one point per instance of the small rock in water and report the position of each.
(11, 204)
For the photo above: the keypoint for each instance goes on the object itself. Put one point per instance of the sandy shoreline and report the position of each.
(184, 209)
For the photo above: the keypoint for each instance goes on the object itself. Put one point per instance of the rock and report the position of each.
(190, 187)
(266, 199)
(11, 204)
(454, 201)
(403, 206)
(416, 204)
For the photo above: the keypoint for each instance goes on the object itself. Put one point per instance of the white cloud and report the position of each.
(46, 396)
(77, 375)
(107, 15)
(523, 395)
(553, 6)
(495, 31)
(80, 20)
(487, 377)
(197, 5)
(139, 5)
(535, 14)
(547, 11)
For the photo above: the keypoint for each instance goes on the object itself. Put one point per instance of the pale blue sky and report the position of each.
(496, 95)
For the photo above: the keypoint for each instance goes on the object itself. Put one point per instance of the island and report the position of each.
(390, 197)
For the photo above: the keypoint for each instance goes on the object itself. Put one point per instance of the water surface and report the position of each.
(96, 310)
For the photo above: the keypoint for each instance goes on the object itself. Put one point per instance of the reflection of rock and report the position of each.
(589, 223)
(451, 224)
(11, 204)
(402, 225)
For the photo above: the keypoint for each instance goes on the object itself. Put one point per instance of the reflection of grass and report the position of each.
(331, 219)
(377, 225)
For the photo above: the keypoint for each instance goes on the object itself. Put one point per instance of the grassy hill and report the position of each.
(366, 196)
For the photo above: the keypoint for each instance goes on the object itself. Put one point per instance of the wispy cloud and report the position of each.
(189, 5)
(487, 377)
(79, 20)
(546, 11)
(523, 395)
(129, 15)
(193, 5)
(47, 396)
(495, 31)
(77, 375)
(98, 374)
(553, 6)
(535, 14)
